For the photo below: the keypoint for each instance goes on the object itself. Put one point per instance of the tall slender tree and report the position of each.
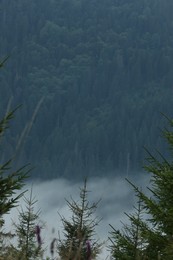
(10, 183)
(28, 231)
(127, 243)
(79, 242)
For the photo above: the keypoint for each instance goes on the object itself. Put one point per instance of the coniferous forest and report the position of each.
(93, 78)
(147, 234)
(92, 85)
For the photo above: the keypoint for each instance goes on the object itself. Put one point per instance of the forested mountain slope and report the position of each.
(93, 77)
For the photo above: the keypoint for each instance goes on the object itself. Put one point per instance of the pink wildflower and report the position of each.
(37, 232)
(88, 247)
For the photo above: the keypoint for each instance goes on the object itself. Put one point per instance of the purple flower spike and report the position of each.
(37, 232)
(88, 247)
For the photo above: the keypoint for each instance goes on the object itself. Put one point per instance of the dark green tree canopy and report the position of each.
(104, 70)
(79, 242)
(11, 182)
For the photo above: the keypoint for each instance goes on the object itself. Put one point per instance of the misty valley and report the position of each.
(86, 129)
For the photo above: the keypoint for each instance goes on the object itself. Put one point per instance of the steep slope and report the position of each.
(93, 77)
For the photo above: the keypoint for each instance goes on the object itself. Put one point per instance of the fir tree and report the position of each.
(79, 243)
(28, 232)
(10, 183)
(127, 243)
(156, 232)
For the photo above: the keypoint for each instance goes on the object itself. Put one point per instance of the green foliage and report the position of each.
(29, 247)
(79, 230)
(10, 183)
(155, 231)
(127, 244)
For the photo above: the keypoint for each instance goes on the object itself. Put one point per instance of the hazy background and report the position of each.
(93, 77)
(116, 196)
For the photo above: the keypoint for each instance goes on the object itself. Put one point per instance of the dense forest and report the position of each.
(146, 235)
(93, 78)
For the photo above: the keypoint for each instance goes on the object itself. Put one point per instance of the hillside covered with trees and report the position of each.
(92, 78)
(147, 235)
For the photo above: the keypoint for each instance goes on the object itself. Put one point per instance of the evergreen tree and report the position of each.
(127, 244)
(79, 243)
(10, 182)
(156, 233)
(28, 232)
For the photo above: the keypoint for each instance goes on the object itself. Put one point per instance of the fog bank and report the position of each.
(116, 196)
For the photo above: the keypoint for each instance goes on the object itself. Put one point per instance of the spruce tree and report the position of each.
(10, 182)
(127, 243)
(28, 232)
(156, 232)
(79, 242)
